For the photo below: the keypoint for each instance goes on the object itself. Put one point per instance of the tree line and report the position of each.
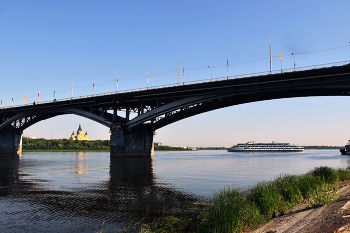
(41, 144)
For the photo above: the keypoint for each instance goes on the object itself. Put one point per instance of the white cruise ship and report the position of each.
(265, 147)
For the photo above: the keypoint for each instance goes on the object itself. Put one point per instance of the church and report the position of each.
(80, 135)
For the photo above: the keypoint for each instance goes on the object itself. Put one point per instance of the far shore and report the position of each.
(66, 145)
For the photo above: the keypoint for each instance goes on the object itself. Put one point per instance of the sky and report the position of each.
(51, 45)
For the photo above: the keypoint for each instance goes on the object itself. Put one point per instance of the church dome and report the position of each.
(79, 129)
(80, 135)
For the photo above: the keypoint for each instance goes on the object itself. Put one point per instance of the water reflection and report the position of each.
(9, 166)
(81, 165)
(31, 203)
(39, 191)
(132, 189)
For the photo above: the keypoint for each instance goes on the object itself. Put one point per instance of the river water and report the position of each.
(81, 191)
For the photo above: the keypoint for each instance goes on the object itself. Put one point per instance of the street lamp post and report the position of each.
(178, 70)
(116, 80)
(270, 58)
(39, 93)
(71, 89)
(211, 74)
(294, 62)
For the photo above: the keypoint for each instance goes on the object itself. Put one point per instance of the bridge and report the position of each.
(134, 115)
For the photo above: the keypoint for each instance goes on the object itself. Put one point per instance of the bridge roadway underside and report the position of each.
(154, 108)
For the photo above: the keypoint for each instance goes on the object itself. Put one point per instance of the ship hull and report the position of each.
(238, 150)
(344, 151)
(265, 147)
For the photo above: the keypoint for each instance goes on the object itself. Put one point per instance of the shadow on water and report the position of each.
(133, 190)
(9, 164)
(130, 194)
(10, 177)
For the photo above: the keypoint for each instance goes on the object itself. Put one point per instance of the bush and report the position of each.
(231, 212)
(324, 194)
(308, 183)
(326, 173)
(267, 198)
(237, 211)
(343, 173)
(288, 186)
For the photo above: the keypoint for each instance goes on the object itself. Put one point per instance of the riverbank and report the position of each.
(41, 144)
(170, 148)
(66, 145)
(234, 210)
(68, 150)
(156, 148)
(333, 218)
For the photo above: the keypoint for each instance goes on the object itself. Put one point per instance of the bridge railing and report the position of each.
(326, 65)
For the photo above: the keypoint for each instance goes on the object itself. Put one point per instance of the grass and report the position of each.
(235, 210)
(316, 188)
(169, 224)
(231, 211)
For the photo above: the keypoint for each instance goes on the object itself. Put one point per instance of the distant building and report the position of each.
(31, 137)
(79, 135)
(157, 143)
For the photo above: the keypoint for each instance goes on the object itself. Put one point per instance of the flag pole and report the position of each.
(281, 60)
(270, 58)
(116, 81)
(227, 68)
(178, 70)
(183, 76)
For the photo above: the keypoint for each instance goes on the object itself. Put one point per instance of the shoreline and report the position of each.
(328, 218)
(83, 150)
(63, 150)
(265, 206)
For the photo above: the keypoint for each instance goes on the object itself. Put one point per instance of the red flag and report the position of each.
(183, 75)
(93, 86)
(1, 102)
(38, 96)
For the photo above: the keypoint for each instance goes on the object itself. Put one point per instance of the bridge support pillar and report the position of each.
(10, 141)
(137, 141)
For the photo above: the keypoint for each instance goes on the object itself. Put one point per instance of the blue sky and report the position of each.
(46, 44)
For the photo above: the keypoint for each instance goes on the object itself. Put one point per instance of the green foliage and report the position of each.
(307, 184)
(343, 173)
(326, 173)
(267, 197)
(169, 148)
(168, 224)
(288, 187)
(231, 212)
(324, 194)
(41, 144)
(236, 211)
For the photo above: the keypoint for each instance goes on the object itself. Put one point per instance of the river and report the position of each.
(81, 191)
